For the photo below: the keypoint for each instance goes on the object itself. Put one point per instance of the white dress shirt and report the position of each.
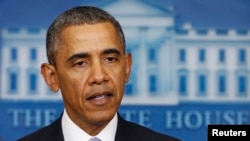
(72, 132)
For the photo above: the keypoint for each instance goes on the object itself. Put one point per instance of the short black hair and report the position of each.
(79, 15)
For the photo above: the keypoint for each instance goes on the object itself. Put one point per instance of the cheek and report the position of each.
(72, 83)
(78, 81)
(117, 77)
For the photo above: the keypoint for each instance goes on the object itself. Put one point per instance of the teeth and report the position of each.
(100, 97)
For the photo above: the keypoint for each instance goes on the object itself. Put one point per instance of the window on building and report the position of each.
(202, 83)
(131, 86)
(222, 56)
(182, 55)
(152, 83)
(13, 30)
(13, 54)
(242, 56)
(152, 56)
(13, 82)
(33, 54)
(183, 85)
(129, 89)
(222, 84)
(33, 30)
(202, 55)
(183, 82)
(242, 85)
(33, 82)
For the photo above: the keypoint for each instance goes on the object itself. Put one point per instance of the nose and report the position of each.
(98, 73)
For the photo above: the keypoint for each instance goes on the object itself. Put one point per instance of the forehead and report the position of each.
(90, 36)
(89, 32)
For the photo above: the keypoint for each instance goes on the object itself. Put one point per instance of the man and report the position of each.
(88, 64)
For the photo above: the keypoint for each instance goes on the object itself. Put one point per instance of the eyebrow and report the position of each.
(111, 51)
(78, 56)
(86, 55)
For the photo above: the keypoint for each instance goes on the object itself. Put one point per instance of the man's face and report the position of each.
(91, 71)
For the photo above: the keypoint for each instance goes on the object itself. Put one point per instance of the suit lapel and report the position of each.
(52, 132)
(123, 132)
(55, 130)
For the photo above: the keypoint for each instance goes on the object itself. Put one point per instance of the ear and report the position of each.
(128, 65)
(49, 74)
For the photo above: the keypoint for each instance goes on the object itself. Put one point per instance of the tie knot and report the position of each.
(94, 139)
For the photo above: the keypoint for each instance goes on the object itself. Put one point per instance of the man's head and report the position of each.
(88, 63)
(77, 16)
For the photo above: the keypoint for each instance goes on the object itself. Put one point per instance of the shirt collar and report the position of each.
(72, 132)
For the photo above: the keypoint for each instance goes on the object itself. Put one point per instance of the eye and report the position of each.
(111, 59)
(80, 64)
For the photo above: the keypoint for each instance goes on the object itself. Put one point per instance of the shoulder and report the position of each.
(138, 132)
(48, 133)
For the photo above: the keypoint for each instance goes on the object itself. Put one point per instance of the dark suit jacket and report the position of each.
(126, 131)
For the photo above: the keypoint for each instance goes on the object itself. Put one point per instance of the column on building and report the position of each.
(166, 64)
(142, 73)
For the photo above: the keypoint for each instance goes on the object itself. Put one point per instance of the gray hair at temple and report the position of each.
(79, 15)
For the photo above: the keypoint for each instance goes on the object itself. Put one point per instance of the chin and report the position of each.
(103, 117)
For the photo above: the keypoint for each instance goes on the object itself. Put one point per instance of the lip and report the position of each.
(99, 99)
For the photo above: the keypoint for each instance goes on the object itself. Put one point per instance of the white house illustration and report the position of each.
(170, 64)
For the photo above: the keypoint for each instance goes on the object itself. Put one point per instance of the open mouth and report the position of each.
(100, 98)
